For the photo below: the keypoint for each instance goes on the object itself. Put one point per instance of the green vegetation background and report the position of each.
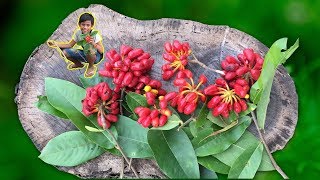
(29, 23)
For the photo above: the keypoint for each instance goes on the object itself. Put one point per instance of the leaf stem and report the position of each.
(275, 165)
(196, 61)
(121, 151)
(186, 122)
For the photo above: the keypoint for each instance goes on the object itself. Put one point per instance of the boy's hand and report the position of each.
(51, 44)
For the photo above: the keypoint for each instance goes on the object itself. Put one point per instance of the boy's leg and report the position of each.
(91, 58)
(72, 55)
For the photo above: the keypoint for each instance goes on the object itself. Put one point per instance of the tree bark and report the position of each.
(209, 43)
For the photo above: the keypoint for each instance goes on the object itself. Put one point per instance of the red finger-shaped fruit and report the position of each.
(136, 66)
(237, 107)
(191, 97)
(127, 79)
(166, 112)
(210, 90)
(169, 57)
(137, 73)
(145, 55)
(134, 82)
(174, 102)
(181, 104)
(150, 98)
(225, 113)
(115, 73)
(155, 84)
(161, 92)
(105, 73)
(140, 85)
(163, 120)
(112, 118)
(214, 102)
(154, 113)
(110, 54)
(231, 60)
(116, 57)
(135, 53)
(188, 73)
(224, 64)
(203, 79)
(115, 111)
(179, 82)
(249, 54)
(255, 74)
(166, 75)
(219, 109)
(124, 50)
(242, 82)
(177, 45)
(166, 67)
(242, 70)
(189, 108)
(242, 58)
(239, 91)
(155, 122)
(181, 74)
(243, 104)
(221, 82)
(230, 75)
(163, 104)
(144, 112)
(168, 47)
(144, 79)
(138, 109)
(170, 96)
(146, 122)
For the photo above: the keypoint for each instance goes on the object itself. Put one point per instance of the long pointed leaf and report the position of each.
(219, 143)
(174, 153)
(44, 105)
(260, 91)
(247, 164)
(70, 149)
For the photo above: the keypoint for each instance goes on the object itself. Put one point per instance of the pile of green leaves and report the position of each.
(206, 147)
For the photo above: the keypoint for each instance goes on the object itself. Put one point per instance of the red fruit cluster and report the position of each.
(128, 67)
(102, 100)
(186, 100)
(225, 99)
(248, 66)
(87, 38)
(153, 90)
(177, 56)
(152, 117)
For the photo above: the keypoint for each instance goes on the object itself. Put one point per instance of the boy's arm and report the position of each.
(98, 46)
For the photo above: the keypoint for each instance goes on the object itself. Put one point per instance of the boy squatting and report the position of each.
(78, 56)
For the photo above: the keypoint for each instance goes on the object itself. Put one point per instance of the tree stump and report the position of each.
(209, 43)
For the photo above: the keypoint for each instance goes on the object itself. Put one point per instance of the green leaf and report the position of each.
(207, 174)
(195, 130)
(247, 164)
(260, 91)
(81, 42)
(132, 138)
(96, 79)
(233, 152)
(215, 144)
(44, 105)
(174, 153)
(213, 164)
(219, 120)
(173, 121)
(93, 33)
(70, 149)
(66, 97)
(202, 116)
(92, 129)
(135, 100)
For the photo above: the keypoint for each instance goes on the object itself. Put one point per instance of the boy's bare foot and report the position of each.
(73, 66)
(90, 71)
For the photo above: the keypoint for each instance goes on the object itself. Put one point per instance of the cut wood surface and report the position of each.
(209, 43)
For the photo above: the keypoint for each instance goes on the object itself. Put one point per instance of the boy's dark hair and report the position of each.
(86, 17)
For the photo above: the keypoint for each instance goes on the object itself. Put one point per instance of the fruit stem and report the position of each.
(186, 122)
(196, 61)
(275, 165)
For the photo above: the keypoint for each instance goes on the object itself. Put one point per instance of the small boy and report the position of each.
(91, 43)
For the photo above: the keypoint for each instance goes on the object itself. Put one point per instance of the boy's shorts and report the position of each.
(79, 55)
